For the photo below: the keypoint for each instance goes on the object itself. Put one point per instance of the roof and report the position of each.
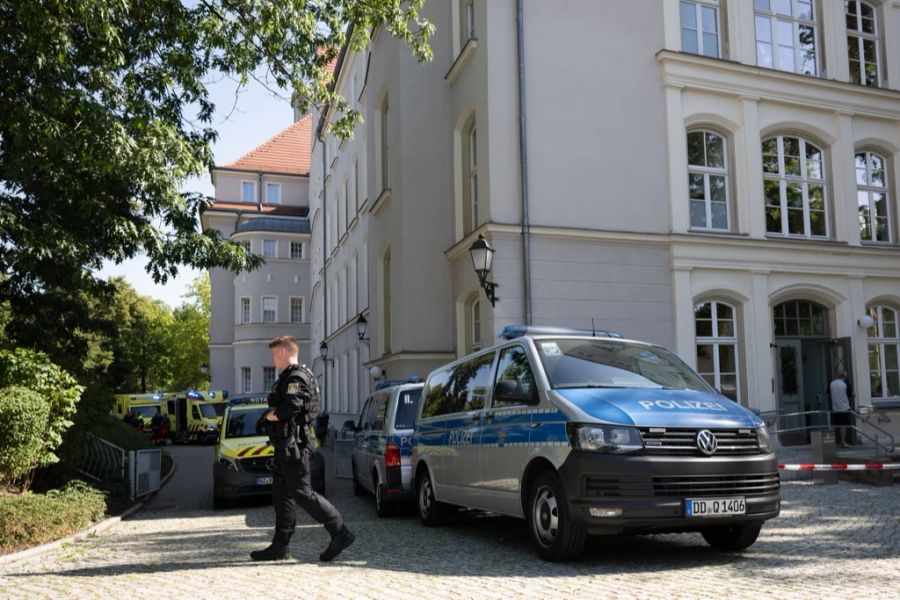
(274, 224)
(286, 152)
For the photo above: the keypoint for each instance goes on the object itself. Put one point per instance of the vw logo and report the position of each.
(706, 442)
(270, 464)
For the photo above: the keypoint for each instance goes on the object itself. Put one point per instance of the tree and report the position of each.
(104, 112)
(188, 339)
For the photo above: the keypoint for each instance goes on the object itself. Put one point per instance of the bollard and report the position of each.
(823, 451)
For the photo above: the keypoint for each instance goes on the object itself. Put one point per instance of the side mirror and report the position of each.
(509, 390)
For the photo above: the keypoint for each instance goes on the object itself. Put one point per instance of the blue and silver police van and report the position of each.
(382, 449)
(587, 433)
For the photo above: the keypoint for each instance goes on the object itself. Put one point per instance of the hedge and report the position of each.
(30, 519)
(23, 420)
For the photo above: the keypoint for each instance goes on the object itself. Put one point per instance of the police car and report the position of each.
(588, 433)
(244, 460)
(382, 450)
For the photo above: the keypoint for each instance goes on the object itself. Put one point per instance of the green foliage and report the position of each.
(188, 339)
(30, 519)
(53, 386)
(23, 417)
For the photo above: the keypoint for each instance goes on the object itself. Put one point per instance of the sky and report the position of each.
(258, 116)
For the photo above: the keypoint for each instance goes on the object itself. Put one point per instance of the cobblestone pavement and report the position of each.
(830, 541)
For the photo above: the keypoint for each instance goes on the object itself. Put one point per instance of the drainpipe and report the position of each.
(324, 273)
(523, 160)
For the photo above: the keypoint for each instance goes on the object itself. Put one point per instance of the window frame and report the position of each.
(500, 352)
(698, 6)
(241, 310)
(870, 189)
(384, 145)
(469, 160)
(275, 251)
(262, 308)
(254, 194)
(266, 383)
(879, 341)
(716, 340)
(291, 309)
(246, 380)
(269, 186)
(796, 22)
(297, 255)
(248, 246)
(706, 172)
(804, 181)
(860, 36)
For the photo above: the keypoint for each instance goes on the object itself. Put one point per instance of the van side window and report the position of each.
(407, 407)
(195, 411)
(460, 388)
(364, 414)
(380, 412)
(514, 367)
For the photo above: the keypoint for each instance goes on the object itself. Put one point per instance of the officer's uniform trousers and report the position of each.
(292, 487)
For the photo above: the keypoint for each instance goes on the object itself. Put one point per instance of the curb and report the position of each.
(96, 528)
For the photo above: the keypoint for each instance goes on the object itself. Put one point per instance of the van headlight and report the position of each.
(613, 439)
(763, 440)
(228, 463)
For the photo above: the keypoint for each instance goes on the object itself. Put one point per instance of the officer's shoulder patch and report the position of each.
(293, 387)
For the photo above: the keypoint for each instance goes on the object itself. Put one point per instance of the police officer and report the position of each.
(293, 439)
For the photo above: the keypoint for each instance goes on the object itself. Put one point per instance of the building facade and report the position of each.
(718, 177)
(261, 201)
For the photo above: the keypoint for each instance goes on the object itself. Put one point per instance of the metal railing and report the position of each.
(343, 453)
(779, 422)
(140, 469)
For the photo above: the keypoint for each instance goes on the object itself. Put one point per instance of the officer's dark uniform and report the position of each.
(294, 440)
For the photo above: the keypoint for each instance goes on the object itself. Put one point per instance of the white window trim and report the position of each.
(469, 19)
(262, 309)
(706, 172)
(244, 389)
(248, 244)
(266, 384)
(472, 145)
(860, 36)
(241, 310)
(873, 189)
(715, 340)
(804, 180)
(881, 342)
(795, 22)
(264, 248)
(698, 15)
(475, 326)
(302, 250)
(275, 185)
(302, 309)
(255, 192)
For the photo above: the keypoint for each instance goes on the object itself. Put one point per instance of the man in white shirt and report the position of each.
(840, 407)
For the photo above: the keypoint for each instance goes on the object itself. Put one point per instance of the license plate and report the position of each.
(714, 507)
(263, 481)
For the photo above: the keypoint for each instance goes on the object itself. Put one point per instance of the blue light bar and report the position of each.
(511, 332)
(392, 382)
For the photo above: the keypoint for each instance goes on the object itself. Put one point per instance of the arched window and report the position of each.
(794, 187)
(862, 43)
(717, 347)
(469, 183)
(884, 352)
(708, 180)
(872, 198)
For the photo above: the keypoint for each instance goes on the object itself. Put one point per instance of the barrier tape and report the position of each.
(841, 467)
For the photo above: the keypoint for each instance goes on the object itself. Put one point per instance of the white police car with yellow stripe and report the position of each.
(244, 459)
(587, 433)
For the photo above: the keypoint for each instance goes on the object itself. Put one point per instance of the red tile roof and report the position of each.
(286, 152)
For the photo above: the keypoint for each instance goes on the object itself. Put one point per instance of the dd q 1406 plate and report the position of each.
(714, 507)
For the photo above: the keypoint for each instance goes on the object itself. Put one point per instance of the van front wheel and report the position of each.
(553, 531)
(431, 512)
(732, 537)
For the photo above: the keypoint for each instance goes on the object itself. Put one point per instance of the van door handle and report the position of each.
(535, 424)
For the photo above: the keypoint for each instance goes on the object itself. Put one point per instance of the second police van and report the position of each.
(591, 434)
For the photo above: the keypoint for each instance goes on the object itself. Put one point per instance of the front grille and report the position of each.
(670, 441)
(717, 485)
(695, 486)
(256, 464)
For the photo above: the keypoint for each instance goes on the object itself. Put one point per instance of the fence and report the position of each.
(869, 434)
(140, 469)
(343, 454)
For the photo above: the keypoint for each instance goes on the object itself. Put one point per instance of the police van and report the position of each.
(244, 459)
(382, 448)
(587, 433)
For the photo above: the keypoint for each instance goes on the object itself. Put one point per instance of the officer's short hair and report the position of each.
(286, 341)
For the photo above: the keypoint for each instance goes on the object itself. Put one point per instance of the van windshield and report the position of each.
(603, 363)
(212, 410)
(407, 408)
(146, 412)
(242, 423)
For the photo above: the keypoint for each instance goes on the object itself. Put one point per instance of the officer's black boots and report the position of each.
(341, 540)
(272, 553)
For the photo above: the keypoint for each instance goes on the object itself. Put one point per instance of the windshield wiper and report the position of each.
(568, 386)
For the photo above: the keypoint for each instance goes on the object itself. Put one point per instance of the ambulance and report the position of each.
(587, 433)
(244, 460)
(195, 416)
(142, 406)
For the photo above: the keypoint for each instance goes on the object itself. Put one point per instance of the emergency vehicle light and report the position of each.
(513, 331)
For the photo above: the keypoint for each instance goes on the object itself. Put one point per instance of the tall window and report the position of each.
(862, 43)
(268, 377)
(717, 347)
(470, 177)
(385, 170)
(269, 309)
(296, 309)
(474, 324)
(246, 383)
(245, 310)
(884, 353)
(297, 250)
(348, 202)
(708, 180)
(872, 198)
(342, 214)
(270, 248)
(273, 193)
(248, 191)
(786, 35)
(386, 310)
(700, 27)
(794, 188)
(466, 22)
(246, 245)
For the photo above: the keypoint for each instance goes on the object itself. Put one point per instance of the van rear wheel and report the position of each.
(358, 489)
(383, 508)
(431, 512)
(732, 537)
(553, 531)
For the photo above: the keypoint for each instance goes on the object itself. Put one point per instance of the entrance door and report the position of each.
(838, 358)
(789, 371)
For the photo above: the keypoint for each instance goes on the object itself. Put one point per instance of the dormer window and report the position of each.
(248, 191)
(273, 193)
